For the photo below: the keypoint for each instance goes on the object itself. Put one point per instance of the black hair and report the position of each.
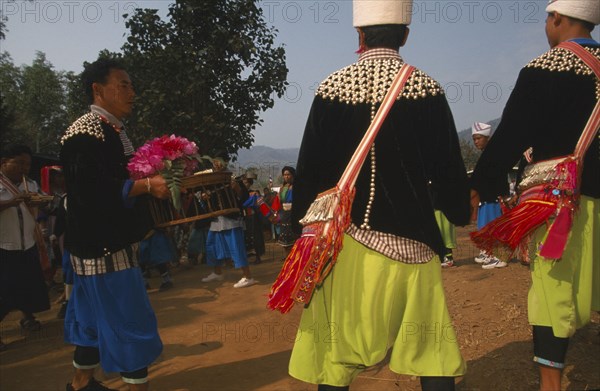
(14, 150)
(388, 36)
(292, 170)
(56, 172)
(97, 72)
(586, 25)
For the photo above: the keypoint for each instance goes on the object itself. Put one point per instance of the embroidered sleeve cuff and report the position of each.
(548, 363)
(250, 202)
(128, 201)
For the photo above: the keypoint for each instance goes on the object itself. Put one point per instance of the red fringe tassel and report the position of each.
(556, 240)
(512, 229)
(538, 204)
(280, 297)
(312, 258)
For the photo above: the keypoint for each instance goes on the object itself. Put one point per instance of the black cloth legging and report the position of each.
(428, 383)
(22, 285)
(327, 387)
(549, 347)
(89, 356)
(437, 383)
(161, 267)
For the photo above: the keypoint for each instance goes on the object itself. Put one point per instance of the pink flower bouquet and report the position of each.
(171, 156)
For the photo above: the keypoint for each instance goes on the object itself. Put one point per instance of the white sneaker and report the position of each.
(494, 263)
(481, 258)
(213, 277)
(244, 282)
(448, 262)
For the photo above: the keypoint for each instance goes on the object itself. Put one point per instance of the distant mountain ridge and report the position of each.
(265, 162)
(260, 155)
(268, 161)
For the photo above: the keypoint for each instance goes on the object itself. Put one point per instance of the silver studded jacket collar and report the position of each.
(368, 80)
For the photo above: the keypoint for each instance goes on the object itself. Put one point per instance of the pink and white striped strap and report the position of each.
(593, 124)
(358, 158)
(7, 183)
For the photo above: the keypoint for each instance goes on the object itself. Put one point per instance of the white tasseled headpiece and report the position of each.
(376, 12)
(482, 129)
(588, 10)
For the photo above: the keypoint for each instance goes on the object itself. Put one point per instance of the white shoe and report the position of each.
(448, 262)
(481, 258)
(213, 277)
(244, 282)
(494, 263)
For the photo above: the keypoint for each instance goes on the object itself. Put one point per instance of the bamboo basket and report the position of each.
(204, 196)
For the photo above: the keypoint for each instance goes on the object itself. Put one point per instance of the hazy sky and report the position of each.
(475, 49)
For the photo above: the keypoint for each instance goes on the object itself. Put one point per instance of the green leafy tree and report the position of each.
(205, 73)
(42, 110)
(7, 119)
(9, 75)
(3, 30)
(10, 81)
(76, 103)
(32, 101)
(37, 103)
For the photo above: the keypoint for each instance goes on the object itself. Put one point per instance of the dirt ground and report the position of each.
(220, 338)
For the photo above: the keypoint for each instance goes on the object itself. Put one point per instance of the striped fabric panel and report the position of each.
(394, 247)
(379, 53)
(120, 260)
(127, 145)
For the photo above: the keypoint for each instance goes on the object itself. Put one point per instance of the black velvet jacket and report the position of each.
(548, 109)
(416, 145)
(98, 220)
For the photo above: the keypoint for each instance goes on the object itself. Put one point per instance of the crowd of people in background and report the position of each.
(161, 250)
(85, 219)
(105, 241)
